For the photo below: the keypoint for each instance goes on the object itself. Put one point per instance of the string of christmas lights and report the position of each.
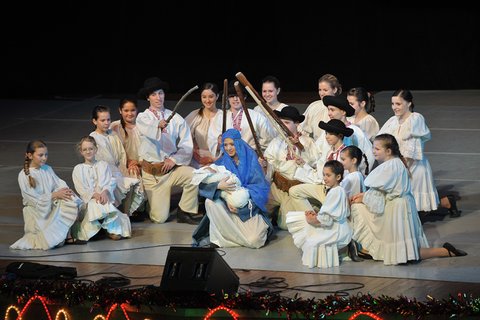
(75, 293)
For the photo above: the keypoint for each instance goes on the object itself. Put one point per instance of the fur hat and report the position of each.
(151, 85)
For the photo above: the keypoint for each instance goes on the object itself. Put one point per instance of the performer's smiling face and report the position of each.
(229, 147)
(234, 102)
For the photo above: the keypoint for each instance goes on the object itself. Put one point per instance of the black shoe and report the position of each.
(452, 251)
(211, 245)
(364, 255)
(185, 217)
(137, 216)
(75, 241)
(453, 210)
(423, 215)
(353, 252)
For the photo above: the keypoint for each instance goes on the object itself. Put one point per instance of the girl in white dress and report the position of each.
(385, 218)
(126, 129)
(95, 184)
(110, 149)
(353, 182)
(411, 131)
(200, 121)
(364, 104)
(50, 206)
(320, 235)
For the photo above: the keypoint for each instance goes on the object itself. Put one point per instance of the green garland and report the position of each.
(72, 293)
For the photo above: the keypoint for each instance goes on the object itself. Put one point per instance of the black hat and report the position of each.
(336, 126)
(340, 102)
(291, 113)
(151, 85)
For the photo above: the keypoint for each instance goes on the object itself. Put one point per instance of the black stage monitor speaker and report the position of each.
(195, 269)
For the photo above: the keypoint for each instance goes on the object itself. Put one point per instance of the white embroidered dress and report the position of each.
(353, 183)
(320, 245)
(130, 143)
(387, 222)
(200, 127)
(128, 190)
(368, 124)
(95, 178)
(411, 137)
(47, 221)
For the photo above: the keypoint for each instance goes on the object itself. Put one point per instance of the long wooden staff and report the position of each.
(249, 120)
(224, 105)
(180, 102)
(259, 99)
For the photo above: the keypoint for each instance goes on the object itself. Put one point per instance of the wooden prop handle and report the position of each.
(259, 99)
(224, 105)
(238, 89)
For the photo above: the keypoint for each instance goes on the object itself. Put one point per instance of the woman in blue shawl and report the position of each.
(226, 226)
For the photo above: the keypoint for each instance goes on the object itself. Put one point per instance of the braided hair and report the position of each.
(31, 147)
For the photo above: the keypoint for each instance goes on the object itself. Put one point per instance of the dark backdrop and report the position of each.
(84, 48)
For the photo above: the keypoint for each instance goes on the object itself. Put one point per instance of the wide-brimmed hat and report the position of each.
(340, 102)
(336, 126)
(290, 113)
(151, 85)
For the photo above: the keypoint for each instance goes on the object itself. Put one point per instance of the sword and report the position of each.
(180, 102)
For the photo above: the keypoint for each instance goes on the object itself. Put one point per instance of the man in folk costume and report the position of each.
(340, 109)
(283, 161)
(237, 119)
(312, 193)
(166, 150)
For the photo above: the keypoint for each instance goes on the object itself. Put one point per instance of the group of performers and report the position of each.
(344, 187)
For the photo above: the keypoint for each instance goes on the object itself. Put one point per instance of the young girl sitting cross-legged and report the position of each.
(95, 184)
(320, 235)
(50, 206)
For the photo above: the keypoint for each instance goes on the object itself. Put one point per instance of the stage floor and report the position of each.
(454, 154)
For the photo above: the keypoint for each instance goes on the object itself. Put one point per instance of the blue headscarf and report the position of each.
(248, 170)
